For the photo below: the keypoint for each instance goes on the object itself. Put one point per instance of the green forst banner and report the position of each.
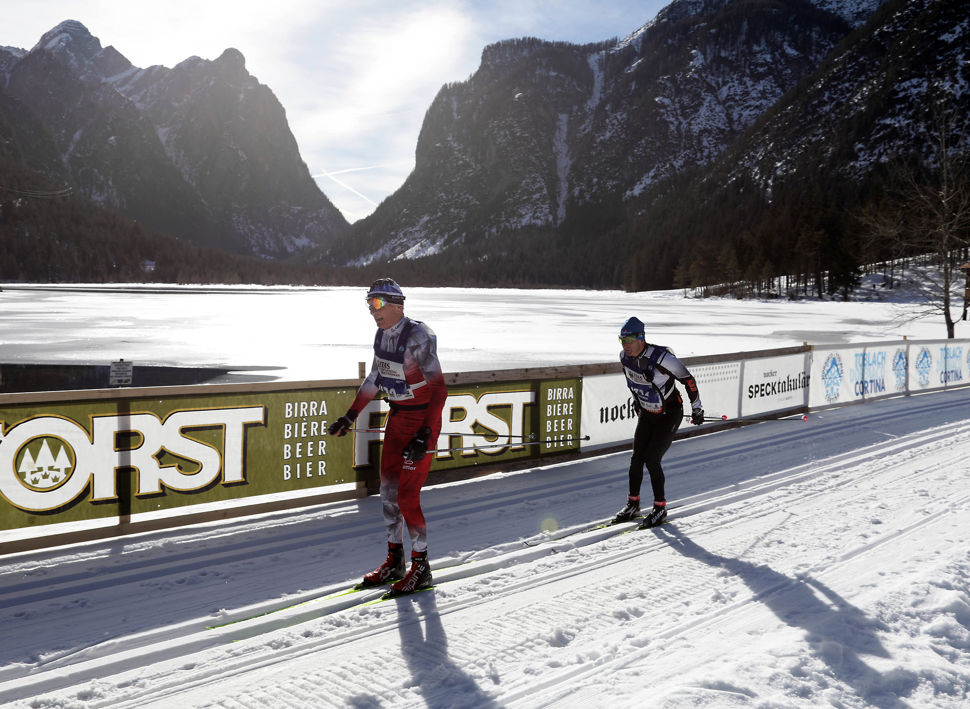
(89, 459)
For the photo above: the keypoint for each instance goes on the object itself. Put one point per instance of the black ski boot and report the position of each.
(631, 511)
(391, 570)
(656, 516)
(417, 578)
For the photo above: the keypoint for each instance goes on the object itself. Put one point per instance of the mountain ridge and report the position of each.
(201, 151)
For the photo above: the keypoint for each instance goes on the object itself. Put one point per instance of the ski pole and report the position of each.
(723, 417)
(530, 437)
(492, 445)
(803, 418)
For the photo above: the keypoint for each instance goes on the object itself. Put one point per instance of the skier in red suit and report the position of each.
(405, 370)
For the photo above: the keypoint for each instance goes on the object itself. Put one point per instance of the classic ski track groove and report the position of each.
(533, 695)
(570, 674)
(120, 650)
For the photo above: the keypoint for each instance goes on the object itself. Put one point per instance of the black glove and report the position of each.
(697, 417)
(415, 450)
(340, 426)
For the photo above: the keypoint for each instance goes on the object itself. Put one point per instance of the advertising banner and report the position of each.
(610, 419)
(774, 384)
(608, 413)
(560, 406)
(130, 455)
(83, 460)
(86, 460)
(718, 385)
(878, 371)
(831, 381)
(936, 365)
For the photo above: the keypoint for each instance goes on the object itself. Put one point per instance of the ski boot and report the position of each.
(391, 570)
(418, 577)
(631, 511)
(656, 516)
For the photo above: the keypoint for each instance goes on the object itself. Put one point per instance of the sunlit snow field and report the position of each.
(322, 333)
(805, 564)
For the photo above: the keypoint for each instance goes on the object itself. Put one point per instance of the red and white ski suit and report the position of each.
(407, 371)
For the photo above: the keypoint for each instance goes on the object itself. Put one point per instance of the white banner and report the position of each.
(608, 414)
(940, 364)
(825, 376)
(610, 419)
(718, 386)
(774, 384)
(831, 381)
(880, 370)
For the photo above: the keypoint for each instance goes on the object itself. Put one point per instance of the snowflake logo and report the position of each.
(832, 372)
(900, 366)
(924, 365)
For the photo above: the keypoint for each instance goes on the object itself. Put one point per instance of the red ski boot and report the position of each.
(418, 577)
(391, 570)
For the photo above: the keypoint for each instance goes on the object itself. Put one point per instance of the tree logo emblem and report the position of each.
(45, 463)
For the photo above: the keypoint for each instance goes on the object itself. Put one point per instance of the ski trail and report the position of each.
(598, 581)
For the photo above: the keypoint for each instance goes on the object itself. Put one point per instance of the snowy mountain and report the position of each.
(201, 151)
(881, 93)
(544, 131)
(650, 162)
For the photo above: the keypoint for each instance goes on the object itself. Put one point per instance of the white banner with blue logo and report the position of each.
(939, 364)
(844, 374)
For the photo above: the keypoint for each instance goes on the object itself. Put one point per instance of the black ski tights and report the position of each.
(653, 437)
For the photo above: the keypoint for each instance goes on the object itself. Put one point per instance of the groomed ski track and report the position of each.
(790, 547)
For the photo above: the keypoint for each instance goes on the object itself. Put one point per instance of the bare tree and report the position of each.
(931, 220)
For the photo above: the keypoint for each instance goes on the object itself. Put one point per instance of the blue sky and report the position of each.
(355, 76)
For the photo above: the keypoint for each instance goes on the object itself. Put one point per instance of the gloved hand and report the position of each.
(415, 450)
(340, 426)
(697, 417)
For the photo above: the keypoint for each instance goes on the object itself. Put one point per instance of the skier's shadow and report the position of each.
(442, 683)
(836, 630)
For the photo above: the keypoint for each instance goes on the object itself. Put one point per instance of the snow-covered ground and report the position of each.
(805, 564)
(810, 564)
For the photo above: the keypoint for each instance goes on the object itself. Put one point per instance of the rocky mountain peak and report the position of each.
(71, 42)
(184, 151)
(232, 63)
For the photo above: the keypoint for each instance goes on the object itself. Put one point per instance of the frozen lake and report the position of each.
(299, 334)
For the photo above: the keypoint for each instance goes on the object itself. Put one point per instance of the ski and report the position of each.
(599, 526)
(328, 597)
(357, 588)
(401, 594)
(365, 586)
